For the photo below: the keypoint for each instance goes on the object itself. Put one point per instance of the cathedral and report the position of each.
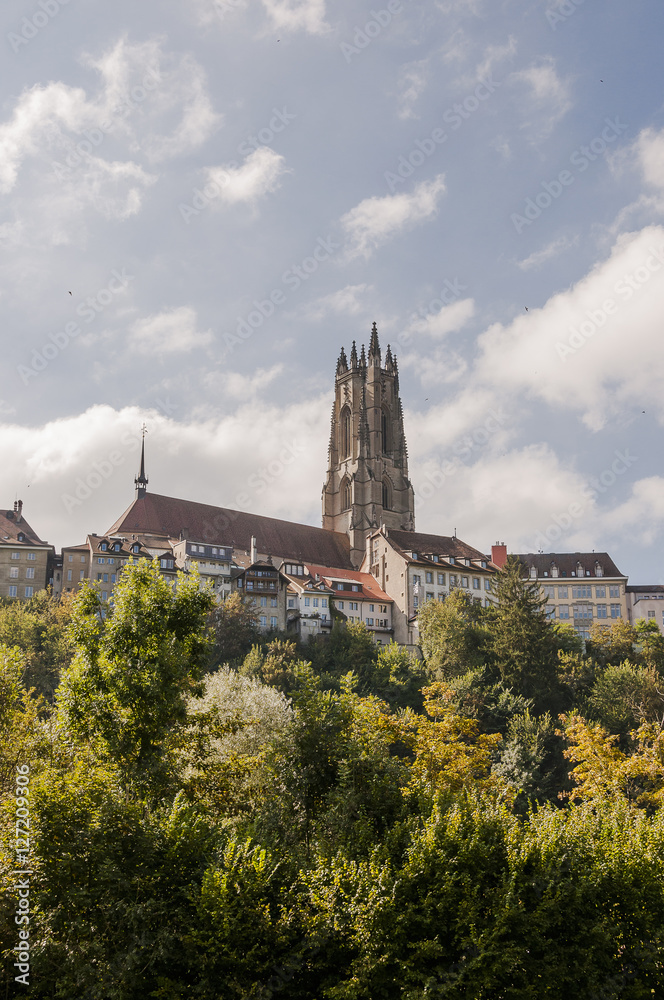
(367, 481)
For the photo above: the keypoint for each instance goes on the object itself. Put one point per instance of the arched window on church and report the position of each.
(345, 433)
(345, 495)
(387, 498)
(384, 431)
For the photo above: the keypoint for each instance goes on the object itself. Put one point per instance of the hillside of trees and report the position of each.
(216, 815)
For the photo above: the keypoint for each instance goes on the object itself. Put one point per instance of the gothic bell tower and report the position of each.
(367, 481)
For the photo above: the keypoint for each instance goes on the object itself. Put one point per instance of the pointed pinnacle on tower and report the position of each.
(374, 346)
(353, 356)
(342, 363)
(141, 481)
(363, 360)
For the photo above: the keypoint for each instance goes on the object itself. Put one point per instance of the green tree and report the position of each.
(128, 683)
(624, 696)
(611, 644)
(523, 641)
(40, 628)
(452, 636)
(650, 643)
(235, 625)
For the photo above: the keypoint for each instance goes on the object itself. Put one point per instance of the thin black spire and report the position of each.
(141, 481)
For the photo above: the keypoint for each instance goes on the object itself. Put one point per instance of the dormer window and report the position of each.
(451, 559)
(554, 570)
(533, 572)
(598, 570)
(21, 536)
(135, 548)
(103, 546)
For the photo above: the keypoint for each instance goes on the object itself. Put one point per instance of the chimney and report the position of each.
(18, 509)
(499, 554)
(254, 552)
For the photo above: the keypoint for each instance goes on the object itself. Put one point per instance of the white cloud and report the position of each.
(376, 220)
(552, 249)
(548, 97)
(350, 300)
(169, 332)
(261, 458)
(297, 15)
(439, 324)
(412, 82)
(650, 151)
(596, 347)
(244, 387)
(259, 175)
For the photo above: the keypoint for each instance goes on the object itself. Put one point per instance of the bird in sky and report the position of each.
(70, 293)
(526, 308)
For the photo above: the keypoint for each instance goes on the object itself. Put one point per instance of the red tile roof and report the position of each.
(172, 517)
(368, 584)
(440, 545)
(11, 528)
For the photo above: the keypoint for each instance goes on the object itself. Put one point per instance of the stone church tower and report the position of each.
(367, 481)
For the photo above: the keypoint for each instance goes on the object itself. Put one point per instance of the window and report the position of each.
(355, 587)
(550, 611)
(31, 555)
(105, 577)
(112, 577)
(562, 592)
(476, 583)
(487, 584)
(13, 591)
(549, 591)
(82, 558)
(416, 601)
(614, 591)
(428, 577)
(601, 610)
(383, 609)
(441, 597)
(345, 495)
(386, 496)
(323, 602)
(651, 614)
(70, 558)
(371, 607)
(103, 546)
(29, 591)
(583, 611)
(30, 573)
(416, 581)
(579, 592)
(370, 621)
(340, 605)
(263, 621)
(307, 602)
(315, 602)
(429, 596)
(384, 439)
(441, 579)
(464, 581)
(16, 555)
(13, 573)
(600, 591)
(453, 580)
(563, 611)
(68, 574)
(100, 561)
(273, 602)
(352, 605)
(104, 595)
(345, 433)
(273, 621)
(291, 602)
(99, 576)
(615, 611)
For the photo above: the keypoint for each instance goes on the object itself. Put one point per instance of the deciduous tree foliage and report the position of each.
(224, 839)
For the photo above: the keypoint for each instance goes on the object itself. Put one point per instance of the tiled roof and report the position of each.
(567, 563)
(172, 517)
(10, 529)
(368, 584)
(439, 545)
(653, 588)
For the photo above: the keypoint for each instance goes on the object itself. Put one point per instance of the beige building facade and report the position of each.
(25, 560)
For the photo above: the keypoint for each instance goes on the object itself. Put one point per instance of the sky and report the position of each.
(202, 202)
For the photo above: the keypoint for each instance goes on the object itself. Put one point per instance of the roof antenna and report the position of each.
(141, 481)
